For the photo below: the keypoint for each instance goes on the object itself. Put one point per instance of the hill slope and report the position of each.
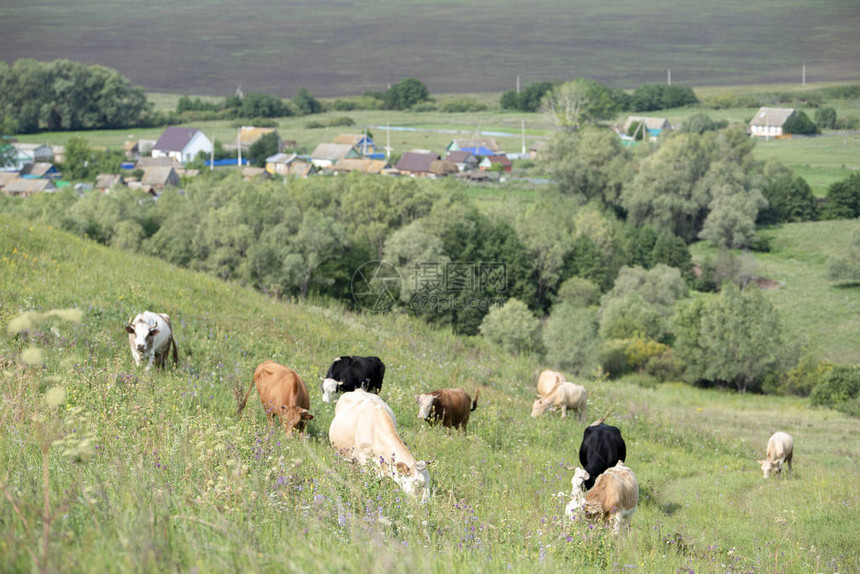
(171, 480)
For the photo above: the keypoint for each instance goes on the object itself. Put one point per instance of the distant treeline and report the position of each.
(645, 98)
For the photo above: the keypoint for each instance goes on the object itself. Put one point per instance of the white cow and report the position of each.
(151, 338)
(547, 381)
(780, 448)
(615, 495)
(364, 430)
(564, 396)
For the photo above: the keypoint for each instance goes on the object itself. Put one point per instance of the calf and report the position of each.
(602, 447)
(615, 495)
(451, 406)
(364, 430)
(547, 381)
(352, 372)
(283, 394)
(780, 448)
(564, 396)
(150, 337)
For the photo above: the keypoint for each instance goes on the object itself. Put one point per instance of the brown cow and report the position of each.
(451, 406)
(283, 394)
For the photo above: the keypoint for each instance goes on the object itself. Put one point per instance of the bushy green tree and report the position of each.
(570, 339)
(653, 97)
(839, 389)
(407, 93)
(579, 103)
(789, 198)
(590, 163)
(629, 316)
(671, 250)
(825, 118)
(578, 292)
(306, 103)
(800, 124)
(266, 146)
(843, 199)
(700, 123)
(734, 339)
(528, 100)
(512, 326)
(263, 106)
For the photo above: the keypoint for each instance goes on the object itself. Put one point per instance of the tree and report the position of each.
(734, 206)
(671, 250)
(734, 338)
(570, 338)
(578, 103)
(789, 198)
(78, 158)
(263, 106)
(306, 103)
(407, 93)
(700, 123)
(266, 146)
(653, 97)
(825, 118)
(843, 199)
(630, 316)
(590, 163)
(799, 123)
(528, 100)
(512, 326)
(544, 232)
(578, 292)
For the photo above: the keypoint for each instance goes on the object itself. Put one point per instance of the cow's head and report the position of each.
(577, 493)
(425, 404)
(295, 417)
(539, 407)
(769, 466)
(414, 480)
(143, 334)
(328, 388)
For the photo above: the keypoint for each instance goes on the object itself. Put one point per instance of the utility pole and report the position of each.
(518, 84)
(387, 141)
(804, 74)
(524, 136)
(669, 77)
(239, 145)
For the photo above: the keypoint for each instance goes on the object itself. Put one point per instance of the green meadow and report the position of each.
(104, 467)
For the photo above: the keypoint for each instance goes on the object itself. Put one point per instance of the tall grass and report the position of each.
(173, 480)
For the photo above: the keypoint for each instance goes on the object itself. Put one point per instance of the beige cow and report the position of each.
(563, 396)
(615, 496)
(780, 449)
(364, 430)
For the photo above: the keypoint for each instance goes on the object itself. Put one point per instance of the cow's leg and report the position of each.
(788, 461)
(151, 359)
(563, 410)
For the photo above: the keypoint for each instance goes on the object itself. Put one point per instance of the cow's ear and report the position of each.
(153, 332)
(129, 329)
(305, 415)
(402, 467)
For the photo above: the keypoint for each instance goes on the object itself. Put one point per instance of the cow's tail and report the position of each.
(175, 352)
(243, 400)
(475, 400)
(601, 419)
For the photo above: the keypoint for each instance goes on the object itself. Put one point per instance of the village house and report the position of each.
(21, 187)
(106, 181)
(249, 135)
(182, 144)
(27, 153)
(464, 160)
(653, 127)
(361, 165)
(289, 164)
(155, 179)
(416, 163)
(769, 122)
(363, 143)
(478, 146)
(501, 162)
(328, 154)
(41, 169)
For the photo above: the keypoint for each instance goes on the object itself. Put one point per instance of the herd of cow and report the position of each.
(364, 428)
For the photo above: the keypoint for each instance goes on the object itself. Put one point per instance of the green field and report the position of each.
(171, 480)
(346, 47)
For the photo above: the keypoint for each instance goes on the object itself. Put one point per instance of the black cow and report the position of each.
(602, 447)
(351, 372)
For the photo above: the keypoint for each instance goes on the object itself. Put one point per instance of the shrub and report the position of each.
(800, 124)
(640, 351)
(839, 388)
(342, 121)
(825, 118)
(570, 338)
(461, 105)
(664, 367)
(314, 125)
(807, 374)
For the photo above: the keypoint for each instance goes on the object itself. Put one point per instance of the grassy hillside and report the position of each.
(172, 480)
(816, 312)
(346, 47)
